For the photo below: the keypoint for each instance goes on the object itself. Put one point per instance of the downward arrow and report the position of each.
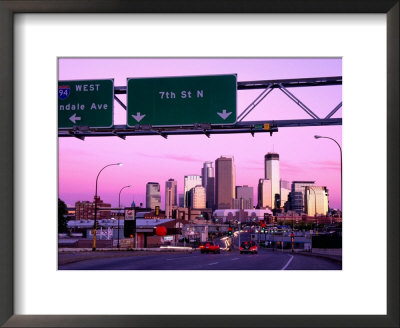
(74, 118)
(224, 115)
(138, 117)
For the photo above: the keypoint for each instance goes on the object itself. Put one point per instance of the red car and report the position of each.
(208, 247)
(248, 247)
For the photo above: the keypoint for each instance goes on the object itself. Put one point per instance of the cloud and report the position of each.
(180, 158)
(326, 165)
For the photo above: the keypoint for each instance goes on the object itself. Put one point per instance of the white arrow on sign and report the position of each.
(74, 118)
(224, 115)
(138, 117)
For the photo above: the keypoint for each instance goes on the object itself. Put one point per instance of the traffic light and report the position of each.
(129, 228)
(263, 229)
(157, 210)
(229, 231)
(292, 237)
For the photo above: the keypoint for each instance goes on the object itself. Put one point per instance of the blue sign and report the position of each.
(63, 91)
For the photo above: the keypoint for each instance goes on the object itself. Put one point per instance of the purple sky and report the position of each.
(154, 158)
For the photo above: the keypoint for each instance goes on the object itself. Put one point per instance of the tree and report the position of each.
(62, 219)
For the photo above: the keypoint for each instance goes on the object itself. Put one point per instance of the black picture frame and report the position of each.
(10, 7)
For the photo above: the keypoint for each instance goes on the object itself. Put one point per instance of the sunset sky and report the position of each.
(153, 158)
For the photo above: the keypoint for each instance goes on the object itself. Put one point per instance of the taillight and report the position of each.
(201, 246)
(253, 248)
(241, 248)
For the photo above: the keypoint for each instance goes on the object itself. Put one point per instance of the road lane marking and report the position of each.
(236, 258)
(288, 262)
(213, 263)
(178, 258)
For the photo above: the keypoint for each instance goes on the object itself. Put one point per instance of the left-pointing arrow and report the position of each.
(74, 118)
(138, 117)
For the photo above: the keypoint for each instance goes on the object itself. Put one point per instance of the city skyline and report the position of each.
(157, 159)
(192, 181)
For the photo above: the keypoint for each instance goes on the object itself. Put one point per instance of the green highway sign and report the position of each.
(183, 100)
(85, 103)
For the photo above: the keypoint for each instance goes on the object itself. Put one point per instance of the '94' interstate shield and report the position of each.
(63, 91)
(85, 103)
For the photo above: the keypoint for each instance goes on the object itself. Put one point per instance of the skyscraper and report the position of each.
(208, 182)
(171, 197)
(225, 182)
(316, 200)
(197, 196)
(272, 173)
(298, 195)
(181, 200)
(190, 181)
(244, 194)
(153, 196)
(285, 190)
(264, 193)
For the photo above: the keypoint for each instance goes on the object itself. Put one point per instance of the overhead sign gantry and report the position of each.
(188, 105)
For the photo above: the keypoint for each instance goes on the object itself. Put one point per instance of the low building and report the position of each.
(85, 210)
(189, 214)
(244, 215)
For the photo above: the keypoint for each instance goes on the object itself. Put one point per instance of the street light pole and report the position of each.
(239, 233)
(95, 206)
(119, 208)
(341, 170)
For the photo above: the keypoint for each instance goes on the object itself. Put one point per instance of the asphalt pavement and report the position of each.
(266, 259)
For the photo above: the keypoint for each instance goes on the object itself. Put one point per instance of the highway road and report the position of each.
(266, 259)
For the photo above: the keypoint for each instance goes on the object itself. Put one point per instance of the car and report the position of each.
(208, 247)
(248, 247)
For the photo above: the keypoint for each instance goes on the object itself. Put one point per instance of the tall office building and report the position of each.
(298, 195)
(181, 200)
(264, 193)
(225, 182)
(197, 197)
(316, 200)
(285, 190)
(171, 197)
(272, 173)
(285, 184)
(244, 194)
(208, 182)
(242, 204)
(190, 181)
(153, 196)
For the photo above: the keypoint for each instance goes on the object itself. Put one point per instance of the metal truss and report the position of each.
(252, 127)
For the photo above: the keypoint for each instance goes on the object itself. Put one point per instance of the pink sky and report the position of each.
(156, 159)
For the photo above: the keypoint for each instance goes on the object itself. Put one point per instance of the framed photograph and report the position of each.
(157, 64)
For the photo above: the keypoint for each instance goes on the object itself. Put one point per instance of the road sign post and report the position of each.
(185, 100)
(85, 103)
